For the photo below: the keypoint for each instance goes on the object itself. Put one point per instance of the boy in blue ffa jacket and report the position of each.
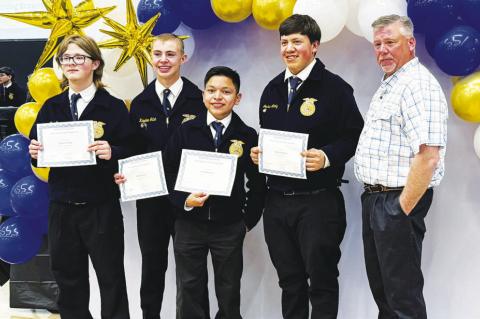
(156, 113)
(304, 219)
(85, 218)
(214, 224)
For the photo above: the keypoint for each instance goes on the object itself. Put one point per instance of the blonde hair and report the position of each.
(88, 45)
(170, 36)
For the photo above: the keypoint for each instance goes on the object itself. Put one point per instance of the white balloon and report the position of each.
(111, 56)
(352, 19)
(188, 43)
(370, 10)
(476, 141)
(331, 15)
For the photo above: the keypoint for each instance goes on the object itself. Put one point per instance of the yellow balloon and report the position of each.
(43, 84)
(232, 10)
(465, 98)
(269, 14)
(41, 172)
(25, 116)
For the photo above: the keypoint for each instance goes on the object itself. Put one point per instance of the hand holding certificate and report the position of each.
(144, 176)
(208, 172)
(281, 153)
(65, 144)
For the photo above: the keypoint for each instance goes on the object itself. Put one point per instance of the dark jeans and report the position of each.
(392, 244)
(155, 223)
(75, 233)
(193, 241)
(303, 234)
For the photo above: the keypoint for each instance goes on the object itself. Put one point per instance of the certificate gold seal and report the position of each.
(236, 148)
(98, 129)
(308, 106)
(188, 117)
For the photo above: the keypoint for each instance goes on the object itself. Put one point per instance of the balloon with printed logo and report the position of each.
(168, 20)
(457, 52)
(6, 184)
(465, 98)
(43, 84)
(270, 14)
(20, 240)
(14, 156)
(42, 173)
(428, 15)
(232, 10)
(29, 197)
(25, 116)
(330, 15)
(197, 14)
(371, 10)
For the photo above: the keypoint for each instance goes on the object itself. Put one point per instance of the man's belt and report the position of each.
(377, 188)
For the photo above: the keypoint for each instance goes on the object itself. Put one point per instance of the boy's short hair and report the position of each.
(168, 37)
(303, 24)
(223, 71)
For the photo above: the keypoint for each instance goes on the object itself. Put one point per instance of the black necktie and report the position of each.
(167, 107)
(73, 105)
(218, 127)
(294, 82)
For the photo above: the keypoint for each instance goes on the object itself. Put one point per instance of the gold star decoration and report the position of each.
(134, 40)
(62, 18)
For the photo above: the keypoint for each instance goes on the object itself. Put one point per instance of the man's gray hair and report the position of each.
(407, 25)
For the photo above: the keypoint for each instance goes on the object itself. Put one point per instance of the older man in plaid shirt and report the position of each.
(399, 158)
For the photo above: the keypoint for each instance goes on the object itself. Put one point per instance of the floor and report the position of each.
(13, 313)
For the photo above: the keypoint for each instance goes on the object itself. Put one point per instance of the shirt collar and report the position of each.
(175, 88)
(87, 94)
(8, 85)
(392, 79)
(226, 121)
(303, 75)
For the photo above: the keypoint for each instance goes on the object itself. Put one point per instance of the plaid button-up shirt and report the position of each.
(408, 110)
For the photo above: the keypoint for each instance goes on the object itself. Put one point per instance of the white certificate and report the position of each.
(65, 144)
(145, 176)
(209, 172)
(280, 153)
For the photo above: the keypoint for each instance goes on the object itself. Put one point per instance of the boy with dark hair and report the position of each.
(214, 224)
(304, 219)
(11, 94)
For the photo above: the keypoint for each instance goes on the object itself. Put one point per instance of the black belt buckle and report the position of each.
(377, 188)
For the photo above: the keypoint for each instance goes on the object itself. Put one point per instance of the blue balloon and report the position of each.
(14, 156)
(197, 14)
(168, 21)
(428, 15)
(29, 197)
(470, 11)
(6, 184)
(19, 241)
(457, 52)
(40, 223)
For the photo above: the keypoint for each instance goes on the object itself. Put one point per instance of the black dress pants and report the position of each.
(303, 235)
(155, 225)
(392, 244)
(75, 233)
(193, 241)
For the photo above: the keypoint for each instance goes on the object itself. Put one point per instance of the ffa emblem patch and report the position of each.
(98, 129)
(236, 148)
(188, 117)
(308, 106)
(10, 96)
(269, 106)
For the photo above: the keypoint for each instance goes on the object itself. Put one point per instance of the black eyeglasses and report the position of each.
(77, 59)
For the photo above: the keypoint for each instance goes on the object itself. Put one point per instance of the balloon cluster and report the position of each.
(23, 188)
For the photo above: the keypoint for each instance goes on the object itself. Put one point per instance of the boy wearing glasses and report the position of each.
(156, 113)
(215, 224)
(85, 219)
